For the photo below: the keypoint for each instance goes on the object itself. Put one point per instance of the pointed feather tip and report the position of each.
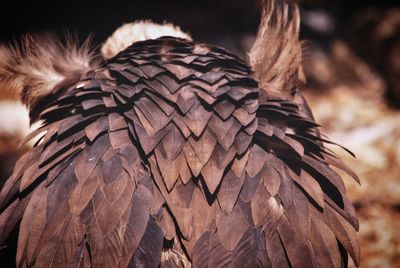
(141, 30)
(334, 160)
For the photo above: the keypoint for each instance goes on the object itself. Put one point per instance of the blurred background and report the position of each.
(352, 63)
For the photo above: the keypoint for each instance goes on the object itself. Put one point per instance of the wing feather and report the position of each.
(168, 152)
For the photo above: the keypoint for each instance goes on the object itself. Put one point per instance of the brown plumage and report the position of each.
(277, 52)
(167, 154)
(41, 67)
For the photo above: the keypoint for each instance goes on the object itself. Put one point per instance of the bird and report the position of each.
(174, 153)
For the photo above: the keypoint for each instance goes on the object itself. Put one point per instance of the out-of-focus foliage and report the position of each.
(347, 97)
(375, 32)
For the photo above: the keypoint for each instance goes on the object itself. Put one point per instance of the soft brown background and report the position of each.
(352, 62)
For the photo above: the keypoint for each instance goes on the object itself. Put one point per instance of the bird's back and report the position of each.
(166, 155)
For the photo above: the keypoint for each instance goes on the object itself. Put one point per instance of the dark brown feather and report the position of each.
(177, 152)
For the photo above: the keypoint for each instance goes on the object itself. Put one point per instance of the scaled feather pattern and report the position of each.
(172, 154)
(168, 141)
